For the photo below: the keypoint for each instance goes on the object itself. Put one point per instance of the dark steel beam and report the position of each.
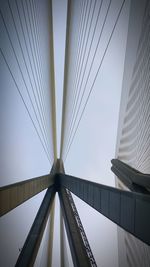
(29, 251)
(32, 243)
(77, 247)
(13, 195)
(129, 210)
(132, 178)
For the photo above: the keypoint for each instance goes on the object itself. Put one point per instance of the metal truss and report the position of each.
(83, 234)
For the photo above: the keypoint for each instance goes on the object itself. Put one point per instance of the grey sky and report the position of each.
(22, 155)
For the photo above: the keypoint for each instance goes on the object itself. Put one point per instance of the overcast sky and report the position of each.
(22, 156)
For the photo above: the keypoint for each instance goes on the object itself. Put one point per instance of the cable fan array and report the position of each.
(85, 53)
(21, 34)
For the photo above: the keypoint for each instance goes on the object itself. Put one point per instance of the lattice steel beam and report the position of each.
(83, 234)
(77, 247)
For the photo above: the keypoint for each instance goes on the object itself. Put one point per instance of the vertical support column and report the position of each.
(63, 247)
(62, 254)
(51, 236)
(65, 88)
(52, 77)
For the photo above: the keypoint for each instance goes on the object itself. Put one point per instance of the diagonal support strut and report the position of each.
(32, 243)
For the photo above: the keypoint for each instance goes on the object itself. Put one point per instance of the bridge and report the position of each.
(27, 31)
